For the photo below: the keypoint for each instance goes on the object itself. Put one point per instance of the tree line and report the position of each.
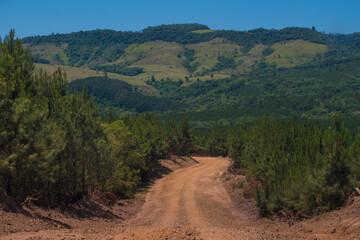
(120, 69)
(119, 94)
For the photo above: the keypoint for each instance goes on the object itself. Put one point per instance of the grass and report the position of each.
(164, 60)
(295, 52)
(73, 73)
(256, 51)
(48, 51)
(162, 72)
(250, 59)
(206, 53)
(162, 52)
(158, 58)
(204, 31)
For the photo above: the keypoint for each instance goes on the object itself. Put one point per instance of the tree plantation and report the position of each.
(302, 167)
(54, 145)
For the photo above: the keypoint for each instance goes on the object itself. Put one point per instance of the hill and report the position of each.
(175, 51)
(218, 74)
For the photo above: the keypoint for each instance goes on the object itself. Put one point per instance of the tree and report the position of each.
(335, 170)
(353, 160)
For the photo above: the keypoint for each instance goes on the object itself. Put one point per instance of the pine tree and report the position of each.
(335, 171)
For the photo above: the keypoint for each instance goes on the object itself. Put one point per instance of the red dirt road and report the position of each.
(190, 203)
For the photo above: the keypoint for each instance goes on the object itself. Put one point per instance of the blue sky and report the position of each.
(43, 17)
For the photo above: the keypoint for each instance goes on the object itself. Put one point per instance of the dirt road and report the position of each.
(190, 199)
(190, 203)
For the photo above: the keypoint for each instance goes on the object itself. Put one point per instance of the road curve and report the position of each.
(190, 197)
(190, 202)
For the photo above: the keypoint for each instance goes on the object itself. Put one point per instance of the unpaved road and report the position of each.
(190, 203)
(190, 197)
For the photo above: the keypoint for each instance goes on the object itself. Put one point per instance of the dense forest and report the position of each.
(111, 93)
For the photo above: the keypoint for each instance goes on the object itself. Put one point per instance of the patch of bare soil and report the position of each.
(340, 224)
(241, 191)
(86, 214)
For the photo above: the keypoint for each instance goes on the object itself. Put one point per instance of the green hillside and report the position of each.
(216, 75)
(294, 53)
(159, 51)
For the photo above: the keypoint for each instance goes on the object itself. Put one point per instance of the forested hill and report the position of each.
(213, 75)
(102, 46)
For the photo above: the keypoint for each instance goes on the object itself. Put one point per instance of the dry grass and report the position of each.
(203, 31)
(158, 58)
(161, 59)
(73, 73)
(207, 53)
(295, 52)
(49, 50)
(159, 51)
(164, 59)
(256, 51)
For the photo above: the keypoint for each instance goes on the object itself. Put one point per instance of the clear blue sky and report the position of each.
(43, 17)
